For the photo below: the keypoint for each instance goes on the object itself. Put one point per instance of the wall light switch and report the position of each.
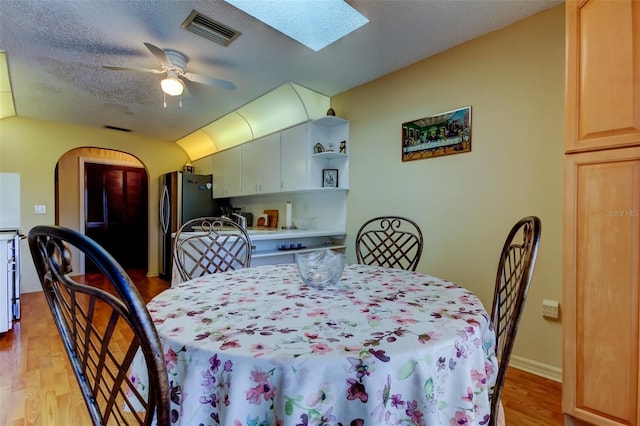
(39, 209)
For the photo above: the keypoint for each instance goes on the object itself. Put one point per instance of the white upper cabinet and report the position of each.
(294, 159)
(217, 168)
(309, 156)
(261, 166)
(226, 173)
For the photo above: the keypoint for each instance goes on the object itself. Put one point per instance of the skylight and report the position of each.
(313, 23)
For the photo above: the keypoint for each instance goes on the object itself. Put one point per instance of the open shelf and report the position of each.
(275, 252)
(330, 155)
(330, 121)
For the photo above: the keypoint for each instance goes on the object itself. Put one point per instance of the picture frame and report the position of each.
(330, 178)
(442, 134)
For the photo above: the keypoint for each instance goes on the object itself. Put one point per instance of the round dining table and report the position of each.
(257, 346)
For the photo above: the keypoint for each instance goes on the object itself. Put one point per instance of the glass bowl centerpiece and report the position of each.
(320, 269)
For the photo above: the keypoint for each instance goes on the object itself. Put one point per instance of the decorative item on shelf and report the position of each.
(331, 111)
(288, 219)
(292, 246)
(318, 148)
(188, 168)
(273, 217)
(330, 148)
(343, 147)
(263, 220)
(330, 178)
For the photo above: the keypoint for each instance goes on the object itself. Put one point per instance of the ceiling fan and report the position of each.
(174, 66)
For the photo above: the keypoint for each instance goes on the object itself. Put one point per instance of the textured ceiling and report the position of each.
(56, 50)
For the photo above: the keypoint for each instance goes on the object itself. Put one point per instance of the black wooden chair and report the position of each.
(102, 330)
(207, 245)
(390, 241)
(515, 269)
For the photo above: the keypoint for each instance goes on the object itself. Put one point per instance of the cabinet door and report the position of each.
(218, 161)
(232, 171)
(226, 173)
(603, 74)
(601, 283)
(293, 158)
(261, 166)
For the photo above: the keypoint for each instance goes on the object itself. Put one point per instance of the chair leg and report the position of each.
(501, 421)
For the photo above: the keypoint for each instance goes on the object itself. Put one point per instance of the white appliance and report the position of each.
(9, 250)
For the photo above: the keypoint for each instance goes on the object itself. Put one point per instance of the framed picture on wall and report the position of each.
(330, 178)
(443, 134)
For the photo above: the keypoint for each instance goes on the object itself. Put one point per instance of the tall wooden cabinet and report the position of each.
(601, 382)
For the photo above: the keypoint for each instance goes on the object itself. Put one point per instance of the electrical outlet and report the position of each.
(550, 309)
(39, 209)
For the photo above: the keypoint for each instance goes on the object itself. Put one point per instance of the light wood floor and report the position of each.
(37, 386)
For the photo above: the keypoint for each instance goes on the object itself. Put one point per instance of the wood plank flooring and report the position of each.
(37, 385)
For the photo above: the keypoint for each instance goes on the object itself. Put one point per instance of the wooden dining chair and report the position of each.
(102, 329)
(207, 245)
(391, 241)
(515, 269)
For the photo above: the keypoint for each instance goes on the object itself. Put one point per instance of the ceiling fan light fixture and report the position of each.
(172, 86)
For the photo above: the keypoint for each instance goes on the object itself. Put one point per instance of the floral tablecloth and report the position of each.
(385, 347)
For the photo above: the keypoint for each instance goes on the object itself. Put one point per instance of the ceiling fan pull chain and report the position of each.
(180, 101)
(165, 99)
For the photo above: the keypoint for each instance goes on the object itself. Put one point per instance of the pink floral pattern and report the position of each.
(385, 347)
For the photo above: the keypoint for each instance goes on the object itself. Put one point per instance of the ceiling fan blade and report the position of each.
(147, 70)
(160, 54)
(227, 85)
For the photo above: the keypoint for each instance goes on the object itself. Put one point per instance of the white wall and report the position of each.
(466, 203)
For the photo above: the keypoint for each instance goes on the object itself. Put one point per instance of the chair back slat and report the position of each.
(515, 269)
(102, 329)
(390, 241)
(207, 245)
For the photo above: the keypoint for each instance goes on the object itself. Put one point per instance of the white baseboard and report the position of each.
(534, 367)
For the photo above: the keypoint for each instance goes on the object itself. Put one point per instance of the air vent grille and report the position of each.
(210, 29)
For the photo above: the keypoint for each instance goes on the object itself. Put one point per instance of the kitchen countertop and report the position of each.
(259, 233)
(275, 233)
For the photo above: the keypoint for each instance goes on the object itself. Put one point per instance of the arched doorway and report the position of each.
(104, 194)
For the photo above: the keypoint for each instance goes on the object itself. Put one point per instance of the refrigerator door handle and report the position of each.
(164, 209)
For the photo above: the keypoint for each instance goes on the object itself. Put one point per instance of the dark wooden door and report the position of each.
(116, 200)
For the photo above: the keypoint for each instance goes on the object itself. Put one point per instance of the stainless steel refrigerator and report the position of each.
(184, 196)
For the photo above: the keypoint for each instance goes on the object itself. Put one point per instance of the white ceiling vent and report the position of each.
(208, 28)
